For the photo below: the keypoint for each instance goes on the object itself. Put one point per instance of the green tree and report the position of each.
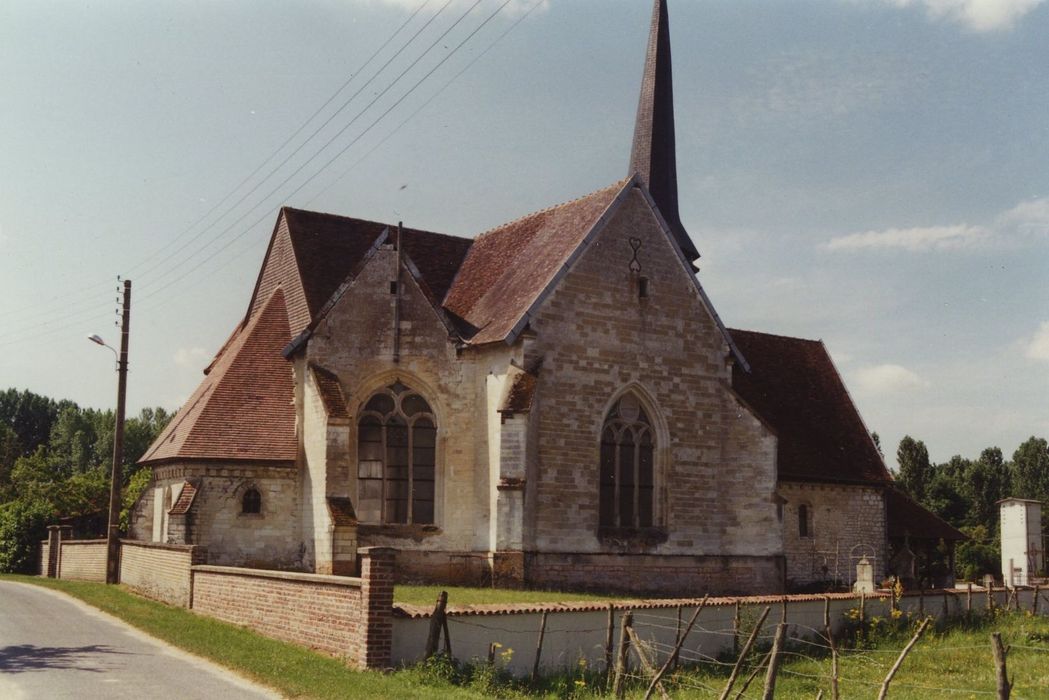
(915, 470)
(30, 416)
(986, 483)
(1031, 470)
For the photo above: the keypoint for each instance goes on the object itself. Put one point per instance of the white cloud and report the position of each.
(1037, 348)
(919, 238)
(195, 358)
(1027, 221)
(887, 379)
(977, 15)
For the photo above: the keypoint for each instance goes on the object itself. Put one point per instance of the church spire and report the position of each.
(653, 154)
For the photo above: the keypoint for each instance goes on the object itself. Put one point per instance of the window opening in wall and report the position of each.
(251, 502)
(804, 523)
(393, 287)
(627, 493)
(396, 456)
(642, 288)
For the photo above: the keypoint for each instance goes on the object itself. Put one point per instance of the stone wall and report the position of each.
(595, 338)
(83, 559)
(347, 617)
(160, 571)
(845, 523)
(272, 538)
(655, 574)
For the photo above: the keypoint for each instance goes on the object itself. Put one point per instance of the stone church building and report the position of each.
(554, 402)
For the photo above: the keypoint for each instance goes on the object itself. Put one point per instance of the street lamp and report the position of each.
(116, 474)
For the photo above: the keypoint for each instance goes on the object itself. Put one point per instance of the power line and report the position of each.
(269, 213)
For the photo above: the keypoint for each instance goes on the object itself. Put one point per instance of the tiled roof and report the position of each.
(331, 392)
(794, 387)
(243, 408)
(507, 268)
(907, 518)
(327, 247)
(185, 499)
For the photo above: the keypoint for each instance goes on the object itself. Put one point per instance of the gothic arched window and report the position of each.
(251, 502)
(804, 521)
(396, 454)
(627, 480)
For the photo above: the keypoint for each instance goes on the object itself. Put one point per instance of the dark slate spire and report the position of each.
(653, 155)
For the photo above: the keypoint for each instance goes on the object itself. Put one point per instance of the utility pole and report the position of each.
(117, 474)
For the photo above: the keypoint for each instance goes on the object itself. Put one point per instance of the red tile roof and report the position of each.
(907, 518)
(794, 386)
(331, 392)
(185, 499)
(508, 268)
(327, 248)
(243, 409)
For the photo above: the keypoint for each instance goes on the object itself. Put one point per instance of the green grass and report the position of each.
(463, 595)
(943, 662)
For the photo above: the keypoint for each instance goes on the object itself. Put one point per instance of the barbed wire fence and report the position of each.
(749, 657)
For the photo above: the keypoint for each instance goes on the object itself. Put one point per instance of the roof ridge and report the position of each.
(617, 185)
(775, 335)
(343, 217)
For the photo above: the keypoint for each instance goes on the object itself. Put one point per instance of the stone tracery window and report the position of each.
(627, 490)
(396, 456)
(251, 502)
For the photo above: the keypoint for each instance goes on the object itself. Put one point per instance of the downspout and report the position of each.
(397, 298)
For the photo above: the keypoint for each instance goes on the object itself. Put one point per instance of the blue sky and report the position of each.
(869, 172)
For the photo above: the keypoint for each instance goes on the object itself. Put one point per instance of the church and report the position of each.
(551, 403)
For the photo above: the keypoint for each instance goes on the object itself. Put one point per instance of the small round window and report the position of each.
(251, 503)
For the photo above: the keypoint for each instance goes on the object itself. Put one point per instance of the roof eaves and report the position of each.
(687, 264)
(299, 341)
(598, 226)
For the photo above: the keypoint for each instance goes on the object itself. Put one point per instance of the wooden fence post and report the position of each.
(753, 674)
(770, 675)
(647, 664)
(921, 601)
(436, 623)
(743, 654)
(624, 644)
(833, 649)
(969, 600)
(1000, 652)
(609, 638)
(677, 648)
(899, 662)
(539, 647)
(990, 599)
(735, 630)
(1034, 603)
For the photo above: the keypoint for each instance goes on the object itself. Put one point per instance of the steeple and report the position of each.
(653, 154)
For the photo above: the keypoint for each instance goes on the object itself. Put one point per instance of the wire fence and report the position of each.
(846, 652)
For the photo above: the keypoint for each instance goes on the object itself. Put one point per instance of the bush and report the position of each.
(22, 526)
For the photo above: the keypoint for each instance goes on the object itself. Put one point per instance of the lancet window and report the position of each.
(627, 498)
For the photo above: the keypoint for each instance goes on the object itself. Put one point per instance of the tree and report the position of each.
(877, 444)
(986, 483)
(30, 416)
(914, 467)
(1031, 470)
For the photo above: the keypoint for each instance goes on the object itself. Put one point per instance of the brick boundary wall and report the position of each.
(45, 556)
(160, 571)
(83, 560)
(351, 618)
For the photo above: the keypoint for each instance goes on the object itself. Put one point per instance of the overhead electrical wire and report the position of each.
(269, 213)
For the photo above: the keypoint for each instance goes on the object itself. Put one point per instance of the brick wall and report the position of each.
(84, 560)
(347, 617)
(646, 573)
(45, 552)
(845, 523)
(161, 571)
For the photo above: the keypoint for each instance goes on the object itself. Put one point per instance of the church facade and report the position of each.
(553, 403)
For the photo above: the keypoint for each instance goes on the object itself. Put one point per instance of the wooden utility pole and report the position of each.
(117, 472)
(774, 659)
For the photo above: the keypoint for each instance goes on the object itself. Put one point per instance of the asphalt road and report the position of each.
(52, 646)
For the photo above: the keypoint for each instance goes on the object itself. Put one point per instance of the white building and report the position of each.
(1023, 556)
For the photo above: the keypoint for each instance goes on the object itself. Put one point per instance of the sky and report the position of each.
(872, 173)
